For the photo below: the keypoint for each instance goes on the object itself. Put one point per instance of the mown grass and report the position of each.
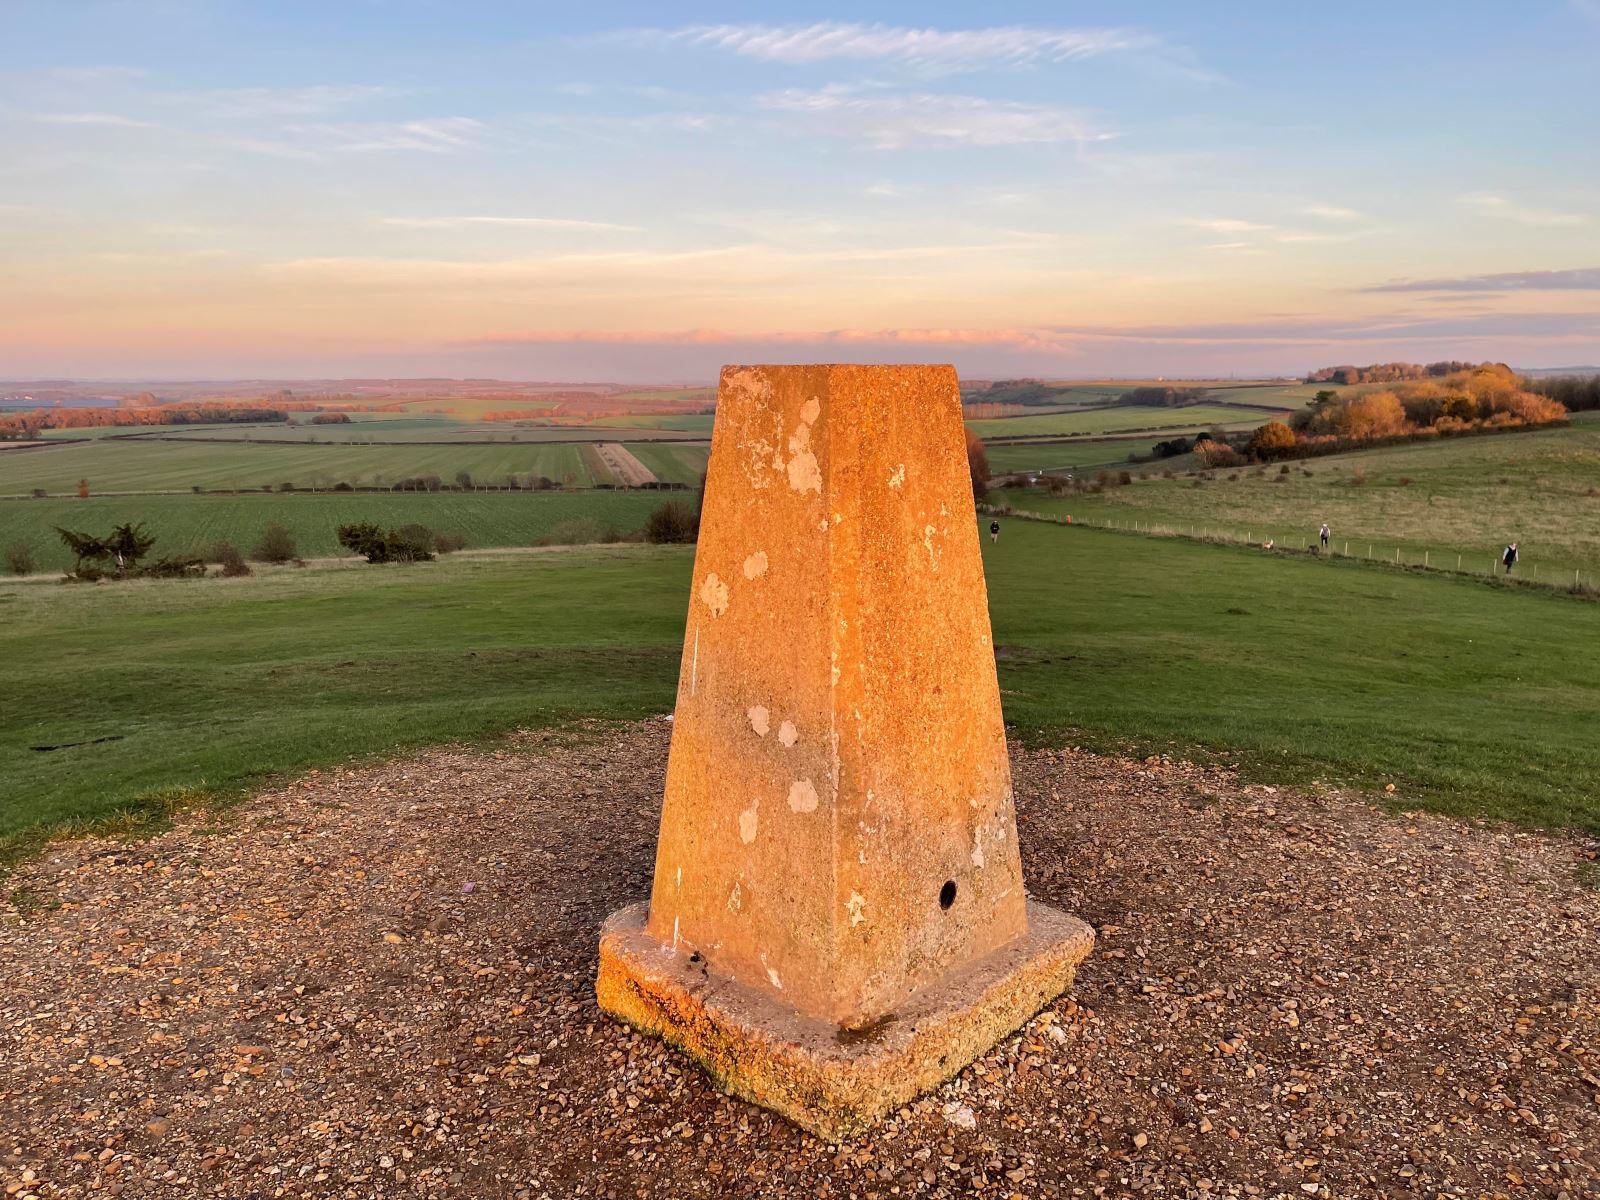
(1114, 420)
(673, 464)
(185, 524)
(1057, 457)
(1459, 496)
(137, 465)
(1467, 698)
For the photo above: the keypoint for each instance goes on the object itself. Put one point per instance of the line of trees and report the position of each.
(29, 425)
(1575, 393)
(1390, 372)
(1487, 397)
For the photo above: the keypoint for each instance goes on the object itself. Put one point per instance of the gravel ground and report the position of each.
(377, 982)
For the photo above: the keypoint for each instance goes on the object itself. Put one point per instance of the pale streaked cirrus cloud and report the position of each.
(259, 102)
(1491, 205)
(1235, 228)
(1226, 225)
(940, 49)
(1033, 339)
(107, 120)
(433, 135)
(566, 223)
(1331, 212)
(897, 120)
(1577, 279)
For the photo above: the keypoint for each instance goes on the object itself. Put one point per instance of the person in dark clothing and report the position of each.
(994, 531)
(1510, 557)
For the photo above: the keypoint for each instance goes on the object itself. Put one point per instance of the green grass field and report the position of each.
(116, 465)
(699, 423)
(1114, 420)
(1468, 698)
(1467, 497)
(673, 464)
(1069, 455)
(193, 523)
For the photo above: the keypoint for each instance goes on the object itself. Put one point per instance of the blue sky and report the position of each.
(625, 192)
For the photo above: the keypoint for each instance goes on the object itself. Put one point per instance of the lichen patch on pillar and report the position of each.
(788, 735)
(802, 796)
(714, 595)
(758, 719)
(756, 565)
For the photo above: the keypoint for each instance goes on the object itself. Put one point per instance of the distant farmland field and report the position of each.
(184, 523)
(1113, 420)
(1466, 496)
(673, 464)
(1072, 455)
(687, 422)
(117, 465)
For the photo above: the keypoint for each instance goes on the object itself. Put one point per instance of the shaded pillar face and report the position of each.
(837, 829)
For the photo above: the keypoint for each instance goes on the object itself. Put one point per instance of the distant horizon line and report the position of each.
(90, 381)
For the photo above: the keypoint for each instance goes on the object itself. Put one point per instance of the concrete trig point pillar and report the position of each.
(837, 921)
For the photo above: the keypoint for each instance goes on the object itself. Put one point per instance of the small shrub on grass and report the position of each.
(1406, 481)
(233, 563)
(449, 543)
(673, 521)
(286, 487)
(412, 543)
(1283, 470)
(276, 545)
(1124, 478)
(19, 558)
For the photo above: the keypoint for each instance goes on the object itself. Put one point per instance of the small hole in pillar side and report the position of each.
(947, 894)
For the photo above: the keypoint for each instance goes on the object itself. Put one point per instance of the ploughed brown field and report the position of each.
(377, 981)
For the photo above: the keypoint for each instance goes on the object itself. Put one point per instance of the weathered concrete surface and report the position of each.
(822, 1078)
(837, 832)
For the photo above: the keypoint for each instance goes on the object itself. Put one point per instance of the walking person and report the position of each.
(1324, 534)
(994, 531)
(1510, 557)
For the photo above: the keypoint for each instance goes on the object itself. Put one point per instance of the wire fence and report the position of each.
(1408, 558)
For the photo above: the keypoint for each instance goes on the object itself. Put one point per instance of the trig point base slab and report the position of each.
(837, 919)
(830, 1081)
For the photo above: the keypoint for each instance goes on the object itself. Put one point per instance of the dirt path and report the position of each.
(620, 461)
(377, 982)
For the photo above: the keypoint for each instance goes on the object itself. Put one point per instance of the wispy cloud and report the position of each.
(1577, 279)
(1226, 225)
(893, 121)
(106, 120)
(923, 49)
(521, 222)
(1014, 338)
(1330, 212)
(258, 102)
(1262, 232)
(435, 135)
(942, 49)
(1498, 206)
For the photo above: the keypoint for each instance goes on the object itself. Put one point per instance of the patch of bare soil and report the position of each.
(377, 982)
(624, 464)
